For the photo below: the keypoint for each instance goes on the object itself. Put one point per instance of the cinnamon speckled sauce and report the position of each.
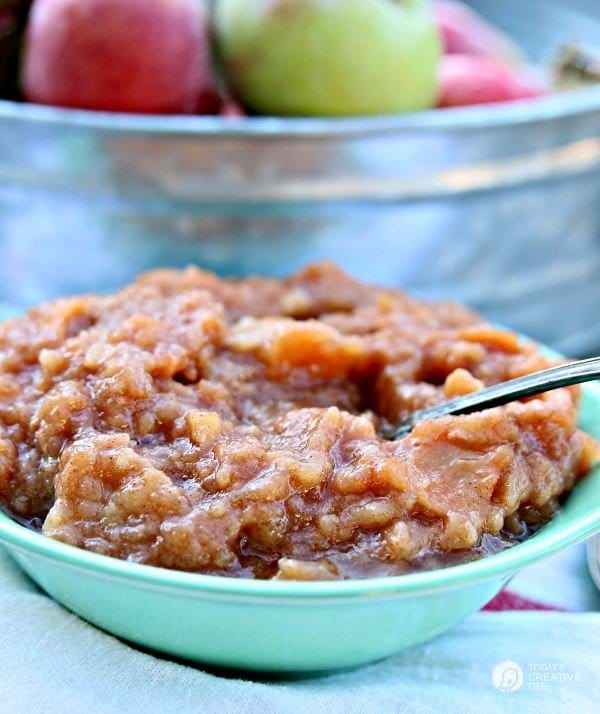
(233, 427)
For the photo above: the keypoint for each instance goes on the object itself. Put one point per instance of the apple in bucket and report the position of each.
(329, 57)
(120, 55)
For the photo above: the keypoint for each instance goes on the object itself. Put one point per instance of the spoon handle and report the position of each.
(13, 516)
(584, 370)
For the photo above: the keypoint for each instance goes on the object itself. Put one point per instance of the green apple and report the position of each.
(329, 57)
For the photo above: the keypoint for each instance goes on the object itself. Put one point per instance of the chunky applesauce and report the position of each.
(235, 427)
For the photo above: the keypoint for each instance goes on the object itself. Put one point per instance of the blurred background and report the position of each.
(496, 204)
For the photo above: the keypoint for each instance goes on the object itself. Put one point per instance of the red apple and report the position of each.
(468, 79)
(120, 55)
(466, 32)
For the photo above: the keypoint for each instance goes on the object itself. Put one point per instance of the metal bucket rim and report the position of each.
(551, 108)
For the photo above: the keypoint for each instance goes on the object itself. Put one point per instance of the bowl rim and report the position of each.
(553, 107)
(501, 564)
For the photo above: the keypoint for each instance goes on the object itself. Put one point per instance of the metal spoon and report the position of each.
(585, 370)
(31, 523)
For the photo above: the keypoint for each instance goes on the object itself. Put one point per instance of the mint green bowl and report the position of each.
(289, 626)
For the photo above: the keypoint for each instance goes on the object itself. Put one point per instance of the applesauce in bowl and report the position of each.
(234, 428)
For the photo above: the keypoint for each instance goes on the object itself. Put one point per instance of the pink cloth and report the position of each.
(507, 600)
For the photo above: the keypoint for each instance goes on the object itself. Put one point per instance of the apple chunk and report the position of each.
(120, 55)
